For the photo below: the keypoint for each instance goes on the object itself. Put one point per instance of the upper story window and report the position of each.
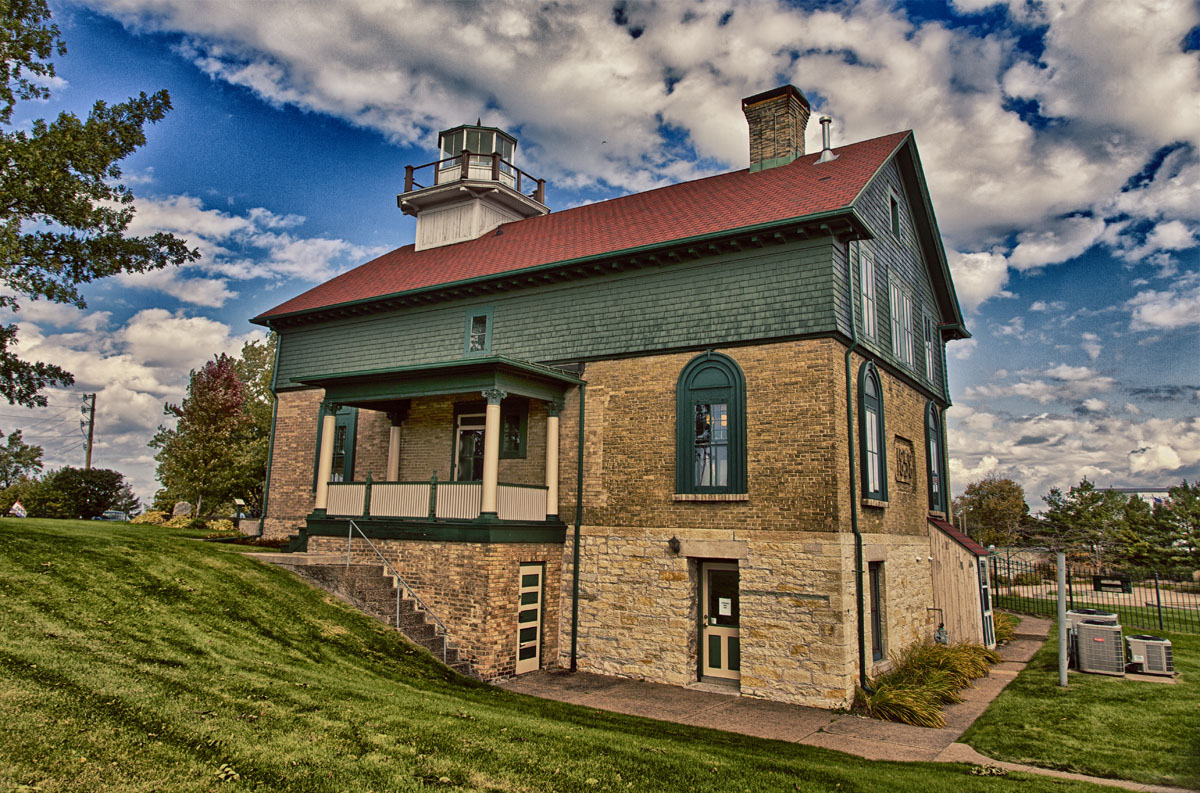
(710, 424)
(930, 346)
(902, 324)
(866, 282)
(478, 340)
(481, 142)
(933, 458)
(894, 213)
(871, 433)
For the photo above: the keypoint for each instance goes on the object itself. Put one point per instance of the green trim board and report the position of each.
(377, 388)
(440, 530)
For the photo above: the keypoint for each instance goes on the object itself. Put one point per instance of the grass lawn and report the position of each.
(1099, 725)
(138, 659)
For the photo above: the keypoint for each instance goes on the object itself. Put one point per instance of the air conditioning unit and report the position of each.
(1076, 616)
(1099, 648)
(1152, 654)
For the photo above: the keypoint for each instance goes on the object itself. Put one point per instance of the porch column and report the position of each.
(325, 464)
(393, 458)
(491, 451)
(552, 411)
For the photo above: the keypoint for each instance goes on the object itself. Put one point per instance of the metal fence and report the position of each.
(1140, 598)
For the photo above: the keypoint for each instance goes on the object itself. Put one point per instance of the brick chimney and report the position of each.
(777, 119)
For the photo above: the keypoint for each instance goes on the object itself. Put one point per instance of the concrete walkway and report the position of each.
(707, 706)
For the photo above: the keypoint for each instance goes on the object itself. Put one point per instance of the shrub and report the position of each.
(153, 517)
(1027, 578)
(905, 705)
(184, 522)
(221, 526)
(1005, 625)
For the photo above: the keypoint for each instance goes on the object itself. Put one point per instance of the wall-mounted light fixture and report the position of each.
(673, 544)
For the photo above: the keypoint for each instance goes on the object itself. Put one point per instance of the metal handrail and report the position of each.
(400, 582)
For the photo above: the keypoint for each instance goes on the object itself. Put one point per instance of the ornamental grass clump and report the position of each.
(924, 677)
(1006, 626)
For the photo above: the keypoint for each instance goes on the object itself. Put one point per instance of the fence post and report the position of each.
(367, 497)
(1062, 575)
(1071, 587)
(433, 495)
(1158, 600)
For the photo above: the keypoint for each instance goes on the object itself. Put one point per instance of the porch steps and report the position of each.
(368, 588)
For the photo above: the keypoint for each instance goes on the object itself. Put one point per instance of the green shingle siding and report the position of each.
(780, 291)
(898, 258)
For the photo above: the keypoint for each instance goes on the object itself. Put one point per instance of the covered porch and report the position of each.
(491, 401)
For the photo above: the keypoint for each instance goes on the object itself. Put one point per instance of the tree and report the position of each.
(1146, 536)
(63, 214)
(994, 510)
(217, 450)
(18, 460)
(1085, 521)
(67, 493)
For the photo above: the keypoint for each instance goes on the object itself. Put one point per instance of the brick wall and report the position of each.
(290, 497)
(473, 588)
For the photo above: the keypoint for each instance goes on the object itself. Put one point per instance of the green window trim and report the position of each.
(934, 458)
(872, 434)
(346, 425)
(477, 335)
(710, 393)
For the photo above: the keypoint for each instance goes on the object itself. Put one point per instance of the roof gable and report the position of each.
(704, 207)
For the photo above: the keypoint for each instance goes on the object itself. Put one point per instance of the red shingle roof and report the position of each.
(689, 209)
(959, 537)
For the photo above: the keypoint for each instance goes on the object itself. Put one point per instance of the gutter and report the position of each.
(575, 544)
(271, 444)
(858, 539)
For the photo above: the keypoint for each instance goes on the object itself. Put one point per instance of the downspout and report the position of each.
(858, 540)
(578, 524)
(271, 443)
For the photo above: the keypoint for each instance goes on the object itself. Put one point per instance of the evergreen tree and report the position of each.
(1085, 522)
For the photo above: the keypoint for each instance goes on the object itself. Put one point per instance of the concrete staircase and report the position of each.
(370, 589)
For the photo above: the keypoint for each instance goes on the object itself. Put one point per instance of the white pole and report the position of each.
(1062, 618)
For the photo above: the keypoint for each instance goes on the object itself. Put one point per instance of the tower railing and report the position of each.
(501, 171)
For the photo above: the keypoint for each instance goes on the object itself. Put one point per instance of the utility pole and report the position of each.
(89, 410)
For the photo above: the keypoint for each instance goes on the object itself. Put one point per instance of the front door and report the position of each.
(720, 647)
(529, 618)
(469, 449)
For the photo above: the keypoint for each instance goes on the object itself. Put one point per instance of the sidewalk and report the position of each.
(702, 706)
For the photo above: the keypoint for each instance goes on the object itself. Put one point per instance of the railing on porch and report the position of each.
(433, 499)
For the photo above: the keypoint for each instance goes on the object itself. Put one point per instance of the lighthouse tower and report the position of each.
(472, 189)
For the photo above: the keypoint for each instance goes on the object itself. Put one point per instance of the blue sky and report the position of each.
(1061, 144)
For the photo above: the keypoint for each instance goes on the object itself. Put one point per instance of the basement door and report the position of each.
(529, 618)
(720, 644)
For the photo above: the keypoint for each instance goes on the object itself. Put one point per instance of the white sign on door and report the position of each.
(725, 607)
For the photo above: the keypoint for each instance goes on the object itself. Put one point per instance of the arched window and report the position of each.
(710, 426)
(871, 435)
(933, 458)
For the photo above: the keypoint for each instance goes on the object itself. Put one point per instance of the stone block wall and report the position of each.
(473, 588)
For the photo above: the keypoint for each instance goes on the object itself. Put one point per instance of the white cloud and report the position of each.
(1062, 240)
(1060, 383)
(1091, 345)
(1094, 405)
(1044, 450)
(1173, 308)
(236, 247)
(962, 349)
(568, 78)
(1044, 305)
(133, 369)
(978, 277)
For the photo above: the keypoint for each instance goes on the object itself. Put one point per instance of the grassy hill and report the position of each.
(139, 659)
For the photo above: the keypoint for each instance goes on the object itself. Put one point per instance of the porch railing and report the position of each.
(433, 500)
(479, 166)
